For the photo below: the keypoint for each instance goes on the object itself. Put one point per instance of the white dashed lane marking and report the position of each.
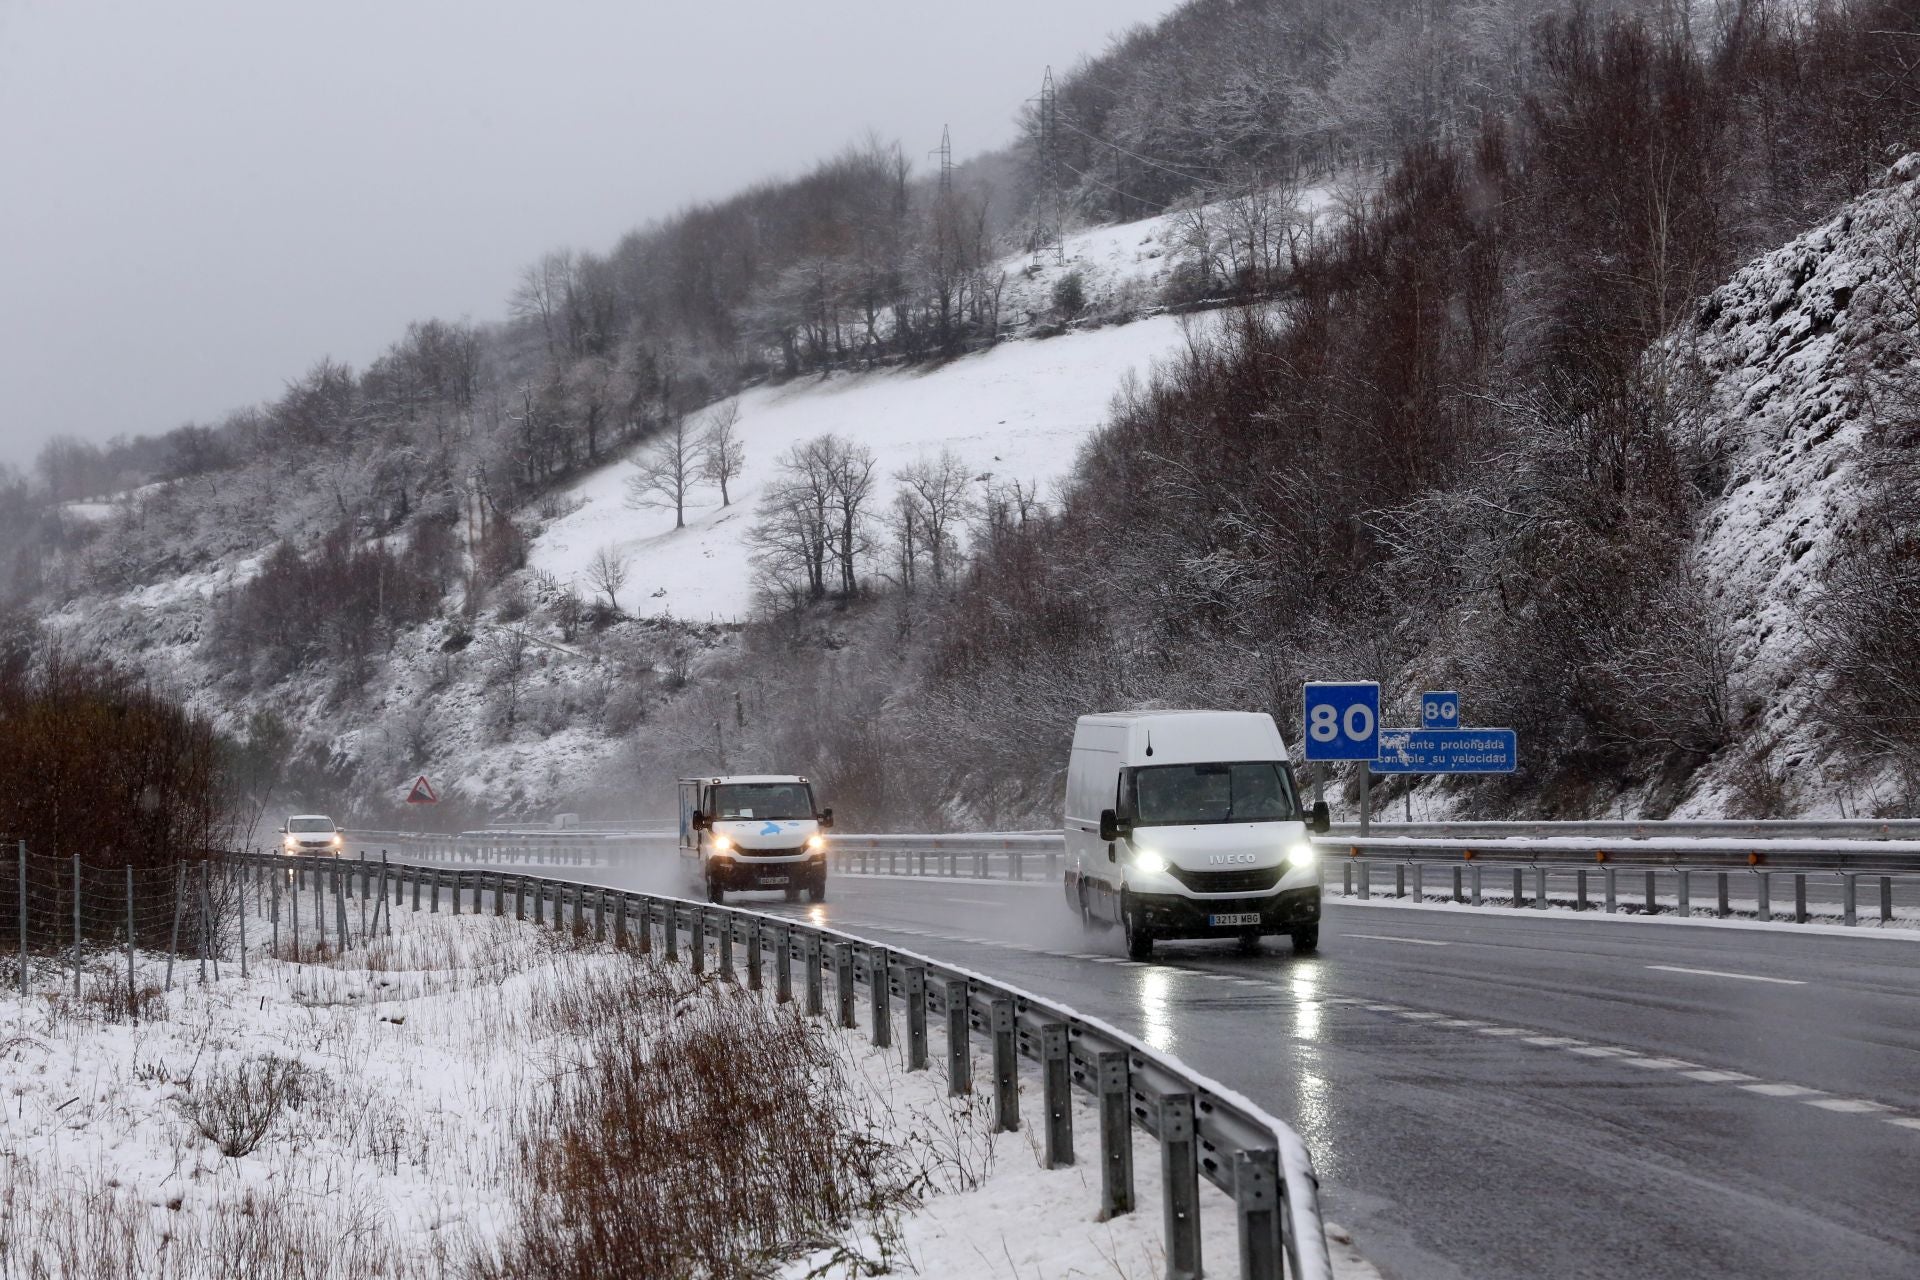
(1387, 937)
(1741, 977)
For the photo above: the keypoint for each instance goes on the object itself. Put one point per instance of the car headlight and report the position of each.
(1148, 862)
(722, 845)
(1301, 855)
(337, 841)
(291, 844)
(816, 843)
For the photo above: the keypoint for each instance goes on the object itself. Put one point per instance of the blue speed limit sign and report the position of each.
(1343, 720)
(1439, 711)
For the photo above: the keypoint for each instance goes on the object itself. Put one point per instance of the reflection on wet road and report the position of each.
(1495, 1096)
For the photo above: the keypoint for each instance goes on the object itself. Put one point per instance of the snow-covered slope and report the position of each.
(1777, 345)
(1017, 412)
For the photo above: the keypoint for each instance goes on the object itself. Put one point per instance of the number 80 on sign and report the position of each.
(1343, 720)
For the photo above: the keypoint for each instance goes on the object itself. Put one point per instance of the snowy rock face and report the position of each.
(1781, 349)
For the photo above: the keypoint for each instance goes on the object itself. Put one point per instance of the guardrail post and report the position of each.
(1720, 891)
(620, 921)
(1180, 1186)
(479, 893)
(783, 964)
(1057, 1094)
(579, 910)
(1006, 1065)
(1419, 881)
(1519, 886)
(1116, 1133)
(1849, 898)
(753, 955)
(1799, 897)
(726, 946)
(1653, 902)
(1763, 892)
(1366, 880)
(697, 941)
(1580, 889)
(843, 983)
(433, 893)
(1346, 879)
(1399, 880)
(599, 915)
(810, 958)
(916, 990)
(1256, 1198)
(1610, 878)
(880, 998)
(1684, 893)
(415, 875)
(1539, 888)
(670, 926)
(959, 1035)
(453, 889)
(1458, 896)
(1476, 884)
(1886, 899)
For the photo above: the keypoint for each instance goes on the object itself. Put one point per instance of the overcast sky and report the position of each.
(199, 198)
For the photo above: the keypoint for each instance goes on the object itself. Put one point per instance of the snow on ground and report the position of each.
(395, 1149)
(1019, 411)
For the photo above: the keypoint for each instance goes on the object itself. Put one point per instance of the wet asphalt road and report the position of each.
(1489, 1095)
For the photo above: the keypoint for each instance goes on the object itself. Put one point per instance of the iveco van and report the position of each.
(758, 832)
(1187, 824)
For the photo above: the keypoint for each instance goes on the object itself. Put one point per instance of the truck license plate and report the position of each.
(773, 879)
(1234, 919)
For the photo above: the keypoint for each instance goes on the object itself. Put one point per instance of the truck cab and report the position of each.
(750, 832)
(1188, 824)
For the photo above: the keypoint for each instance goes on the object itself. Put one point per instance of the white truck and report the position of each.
(312, 833)
(1188, 824)
(759, 831)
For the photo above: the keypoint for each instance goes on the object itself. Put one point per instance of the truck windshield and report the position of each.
(763, 800)
(310, 824)
(1183, 794)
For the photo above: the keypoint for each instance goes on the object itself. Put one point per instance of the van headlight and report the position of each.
(1148, 862)
(1301, 855)
(816, 843)
(722, 845)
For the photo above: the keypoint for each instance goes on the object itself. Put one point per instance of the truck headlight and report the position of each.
(1301, 855)
(1148, 862)
(722, 845)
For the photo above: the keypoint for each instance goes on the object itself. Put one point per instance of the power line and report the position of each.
(1191, 177)
(1152, 204)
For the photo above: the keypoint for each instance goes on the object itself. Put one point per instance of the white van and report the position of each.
(1187, 824)
(759, 831)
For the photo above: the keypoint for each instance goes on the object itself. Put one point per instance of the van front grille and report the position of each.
(1251, 880)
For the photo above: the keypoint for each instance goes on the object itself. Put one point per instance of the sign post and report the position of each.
(1343, 723)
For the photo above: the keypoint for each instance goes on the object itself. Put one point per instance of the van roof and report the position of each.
(1188, 736)
(712, 779)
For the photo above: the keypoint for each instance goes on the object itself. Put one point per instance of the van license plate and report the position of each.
(1234, 919)
(773, 879)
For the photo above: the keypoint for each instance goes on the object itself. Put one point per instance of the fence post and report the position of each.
(1057, 1094)
(1006, 1065)
(23, 917)
(843, 983)
(916, 990)
(1116, 1134)
(294, 912)
(76, 920)
(1256, 1198)
(810, 960)
(173, 946)
(340, 878)
(240, 902)
(880, 998)
(959, 1034)
(783, 964)
(1180, 1185)
(206, 920)
(362, 868)
(133, 994)
(385, 910)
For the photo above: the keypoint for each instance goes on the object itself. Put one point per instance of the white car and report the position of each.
(753, 832)
(1188, 824)
(312, 833)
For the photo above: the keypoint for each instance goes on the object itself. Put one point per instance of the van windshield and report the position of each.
(763, 800)
(1183, 794)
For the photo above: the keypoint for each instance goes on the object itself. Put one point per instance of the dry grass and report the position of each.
(233, 1107)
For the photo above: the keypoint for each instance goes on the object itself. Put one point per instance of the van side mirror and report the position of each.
(826, 818)
(1322, 819)
(700, 821)
(1112, 827)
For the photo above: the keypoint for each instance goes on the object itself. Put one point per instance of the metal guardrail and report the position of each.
(1204, 1130)
(1636, 829)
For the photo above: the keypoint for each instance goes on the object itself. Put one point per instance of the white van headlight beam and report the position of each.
(1148, 862)
(1301, 855)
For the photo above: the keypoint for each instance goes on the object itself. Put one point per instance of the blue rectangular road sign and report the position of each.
(1343, 720)
(1439, 711)
(1448, 751)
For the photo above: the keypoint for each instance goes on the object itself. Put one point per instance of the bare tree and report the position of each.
(815, 514)
(722, 454)
(607, 572)
(665, 474)
(935, 496)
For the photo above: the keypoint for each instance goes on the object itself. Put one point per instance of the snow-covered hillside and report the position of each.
(1017, 412)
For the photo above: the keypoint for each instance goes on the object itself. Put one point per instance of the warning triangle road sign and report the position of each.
(422, 792)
